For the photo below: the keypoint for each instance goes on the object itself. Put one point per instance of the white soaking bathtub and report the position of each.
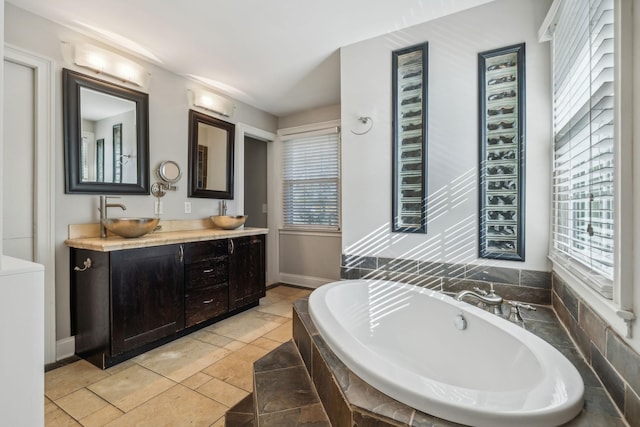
(409, 343)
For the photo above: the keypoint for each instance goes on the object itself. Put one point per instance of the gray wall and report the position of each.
(168, 117)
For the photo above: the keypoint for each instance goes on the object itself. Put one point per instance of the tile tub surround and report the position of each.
(616, 364)
(513, 284)
(349, 401)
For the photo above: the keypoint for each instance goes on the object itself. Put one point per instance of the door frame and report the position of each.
(44, 181)
(272, 246)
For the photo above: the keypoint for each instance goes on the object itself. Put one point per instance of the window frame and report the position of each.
(328, 127)
(614, 311)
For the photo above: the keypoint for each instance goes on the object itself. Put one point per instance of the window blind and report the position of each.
(311, 180)
(583, 169)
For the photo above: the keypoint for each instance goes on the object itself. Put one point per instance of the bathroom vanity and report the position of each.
(131, 295)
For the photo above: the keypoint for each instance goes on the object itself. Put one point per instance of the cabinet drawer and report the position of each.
(199, 251)
(204, 304)
(208, 273)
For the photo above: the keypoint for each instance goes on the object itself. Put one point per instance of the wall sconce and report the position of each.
(106, 62)
(212, 102)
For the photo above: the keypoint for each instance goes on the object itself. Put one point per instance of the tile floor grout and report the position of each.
(187, 381)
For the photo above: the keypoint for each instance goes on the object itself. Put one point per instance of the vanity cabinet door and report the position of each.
(246, 270)
(147, 286)
(90, 321)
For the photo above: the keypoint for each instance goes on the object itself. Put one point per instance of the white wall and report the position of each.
(168, 132)
(454, 43)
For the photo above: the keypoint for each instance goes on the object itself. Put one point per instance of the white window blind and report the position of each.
(583, 101)
(311, 180)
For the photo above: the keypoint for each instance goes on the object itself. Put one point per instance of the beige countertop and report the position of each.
(88, 239)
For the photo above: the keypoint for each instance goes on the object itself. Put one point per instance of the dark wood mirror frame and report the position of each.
(196, 118)
(410, 79)
(72, 82)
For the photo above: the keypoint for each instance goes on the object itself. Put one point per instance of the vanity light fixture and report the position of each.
(106, 62)
(213, 102)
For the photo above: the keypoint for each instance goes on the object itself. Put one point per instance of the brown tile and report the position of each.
(285, 356)
(632, 408)
(283, 389)
(195, 381)
(222, 392)
(251, 352)
(81, 403)
(281, 333)
(593, 326)
(306, 416)
(187, 407)
(102, 417)
(234, 370)
(624, 359)
(329, 392)
(182, 358)
(69, 378)
(131, 387)
(282, 308)
(56, 417)
(217, 340)
(238, 420)
(243, 327)
(266, 343)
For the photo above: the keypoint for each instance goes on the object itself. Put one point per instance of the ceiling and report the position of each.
(281, 56)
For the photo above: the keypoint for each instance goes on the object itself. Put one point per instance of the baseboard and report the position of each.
(305, 281)
(66, 347)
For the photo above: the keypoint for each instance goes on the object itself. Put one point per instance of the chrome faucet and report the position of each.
(223, 207)
(488, 298)
(103, 212)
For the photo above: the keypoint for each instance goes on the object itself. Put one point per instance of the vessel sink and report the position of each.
(228, 222)
(130, 227)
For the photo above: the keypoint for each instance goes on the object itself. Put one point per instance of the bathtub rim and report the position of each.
(547, 415)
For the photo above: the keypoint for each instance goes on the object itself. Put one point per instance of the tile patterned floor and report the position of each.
(191, 381)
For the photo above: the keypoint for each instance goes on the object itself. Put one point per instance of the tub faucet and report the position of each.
(103, 212)
(490, 298)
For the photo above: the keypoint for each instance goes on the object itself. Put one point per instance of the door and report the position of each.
(28, 169)
(255, 182)
(147, 286)
(17, 162)
(246, 271)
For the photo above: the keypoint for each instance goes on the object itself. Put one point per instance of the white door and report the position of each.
(18, 160)
(28, 170)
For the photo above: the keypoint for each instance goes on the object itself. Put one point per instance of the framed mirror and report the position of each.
(106, 136)
(211, 143)
(410, 78)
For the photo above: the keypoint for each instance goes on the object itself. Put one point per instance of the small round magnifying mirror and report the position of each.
(169, 172)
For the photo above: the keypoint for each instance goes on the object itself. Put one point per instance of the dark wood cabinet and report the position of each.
(246, 270)
(206, 281)
(147, 295)
(129, 301)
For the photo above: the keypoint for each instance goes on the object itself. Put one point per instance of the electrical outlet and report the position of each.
(187, 207)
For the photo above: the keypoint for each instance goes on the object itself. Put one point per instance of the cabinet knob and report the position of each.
(87, 265)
